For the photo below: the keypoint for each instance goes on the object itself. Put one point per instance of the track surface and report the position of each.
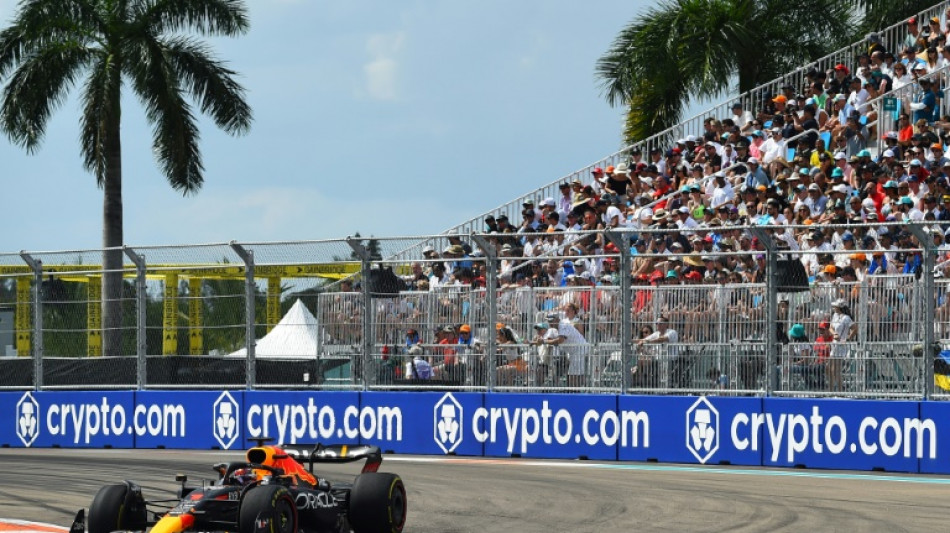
(484, 495)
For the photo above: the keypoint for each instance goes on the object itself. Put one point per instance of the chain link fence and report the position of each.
(475, 313)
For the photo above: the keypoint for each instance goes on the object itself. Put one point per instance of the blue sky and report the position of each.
(387, 118)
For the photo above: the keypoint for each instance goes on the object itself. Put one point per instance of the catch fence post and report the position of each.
(771, 308)
(365, 358)
(250, 313)
(37, 266)
(928, 264)
(622, 242)
(491, 297)
(141, 295)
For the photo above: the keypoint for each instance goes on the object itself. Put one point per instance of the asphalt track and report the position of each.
(449, 495)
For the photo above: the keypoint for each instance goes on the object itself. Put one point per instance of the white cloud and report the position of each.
(382, 71)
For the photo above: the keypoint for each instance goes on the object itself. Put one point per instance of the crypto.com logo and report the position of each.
(702, 429)
(226, 422)
(448, 423)
(27, 425)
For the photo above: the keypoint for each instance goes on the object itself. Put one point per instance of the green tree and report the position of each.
(878, 14)
(372, 246)
(52, 45)
(683, 49)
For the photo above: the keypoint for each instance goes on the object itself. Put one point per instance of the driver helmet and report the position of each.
(244, 476)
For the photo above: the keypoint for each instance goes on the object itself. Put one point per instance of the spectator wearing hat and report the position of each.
(840, 81)
(913, 33)
(756, 176)
(814, 246)
(720, 191)
(546, 340)
(774, 148)
(942, 211)
(565, 200)
(572, 344)
(617, 183)
(417, 367)
(924, 102)
(804, 361)
(937, 159)
(816, 201)
(512, 364)
(843, 328)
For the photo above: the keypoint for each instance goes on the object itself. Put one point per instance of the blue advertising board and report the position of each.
(433, 423)
(934, 453)
(301, 417)
(843, 434)
(71, 419)
(548, 425)
(192, 420)
(681, 429)
(785, 432)
(17, 428)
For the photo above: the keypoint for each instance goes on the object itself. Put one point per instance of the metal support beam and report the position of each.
(361, 368)
(491, 296)
(929, 263)
(621, 240)
(37, 266)
(141, 298)
(250, 311)
(771, 308)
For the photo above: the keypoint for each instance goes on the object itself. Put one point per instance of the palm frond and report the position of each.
(175, 133)
(95, 115)
(210, 83)
(206, 17)
(37, 88)
(44, 23)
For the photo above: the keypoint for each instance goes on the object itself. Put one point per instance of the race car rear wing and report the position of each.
(344, 453)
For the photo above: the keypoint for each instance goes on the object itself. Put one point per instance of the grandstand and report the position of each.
(791, 244)
(759, 99)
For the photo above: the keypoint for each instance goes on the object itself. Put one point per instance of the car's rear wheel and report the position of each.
(378, 504)
(267, 508)
(114, 508)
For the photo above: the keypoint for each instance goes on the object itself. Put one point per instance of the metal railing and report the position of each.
(195, 306)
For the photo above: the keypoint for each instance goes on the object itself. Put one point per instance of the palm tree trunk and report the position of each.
(112, 237)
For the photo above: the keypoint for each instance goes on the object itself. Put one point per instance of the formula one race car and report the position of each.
(271, 492)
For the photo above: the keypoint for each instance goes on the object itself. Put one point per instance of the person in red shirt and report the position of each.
(905, 130)
(823, 344)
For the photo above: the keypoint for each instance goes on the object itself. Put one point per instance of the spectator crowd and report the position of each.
(689, 204)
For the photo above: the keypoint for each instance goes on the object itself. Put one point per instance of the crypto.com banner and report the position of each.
(845, 434)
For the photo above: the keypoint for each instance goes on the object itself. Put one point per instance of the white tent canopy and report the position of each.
(294, 337)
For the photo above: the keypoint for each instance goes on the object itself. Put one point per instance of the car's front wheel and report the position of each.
(378, 504)
(114, 508)
(267, 509)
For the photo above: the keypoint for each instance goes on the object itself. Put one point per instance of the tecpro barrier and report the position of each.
(814, 433)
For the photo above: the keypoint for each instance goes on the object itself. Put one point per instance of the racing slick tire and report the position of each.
(378, 504)
(114, 509)
(267, 501)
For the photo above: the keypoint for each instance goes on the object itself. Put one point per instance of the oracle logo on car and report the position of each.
(27, 423)
(447, 429)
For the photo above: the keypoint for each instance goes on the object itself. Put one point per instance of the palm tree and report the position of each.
(684, 49)
(877, 14)
(54, 44)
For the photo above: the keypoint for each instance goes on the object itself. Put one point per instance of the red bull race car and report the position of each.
(271, 492)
